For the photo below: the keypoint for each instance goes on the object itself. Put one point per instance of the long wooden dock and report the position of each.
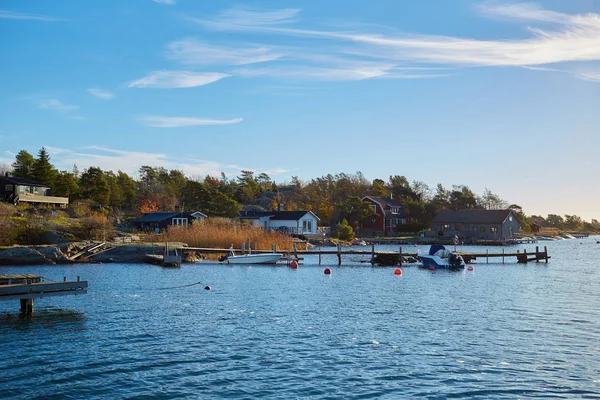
(28, 287)
(387, 257)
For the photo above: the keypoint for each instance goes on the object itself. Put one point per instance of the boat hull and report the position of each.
(438, 263)
(269, 258)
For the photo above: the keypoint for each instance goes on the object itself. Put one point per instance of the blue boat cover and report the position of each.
(434, 248)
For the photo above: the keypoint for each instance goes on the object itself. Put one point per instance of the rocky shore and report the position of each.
(64, 253)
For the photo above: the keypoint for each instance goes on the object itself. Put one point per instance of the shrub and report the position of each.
(345, 231)
(8, 227)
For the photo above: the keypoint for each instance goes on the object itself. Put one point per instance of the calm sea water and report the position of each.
(501, 331)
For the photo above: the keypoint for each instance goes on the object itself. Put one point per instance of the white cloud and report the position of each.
(572, 38)
(589, 76)
(177, 79)
(165, 2)
(178, 122)
(191, 51)
(244, 18)
(8, 14)
(101, 94)
(57, 105)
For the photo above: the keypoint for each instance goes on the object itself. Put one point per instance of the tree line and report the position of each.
(333, 198)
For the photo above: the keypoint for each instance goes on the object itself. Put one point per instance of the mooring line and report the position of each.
(178, 287)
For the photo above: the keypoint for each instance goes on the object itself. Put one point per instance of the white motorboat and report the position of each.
(439, 257)
(264, 258)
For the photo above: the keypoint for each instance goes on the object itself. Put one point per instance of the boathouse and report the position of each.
(161, 220)
(475, 224)
(21, 190)
(390, 214)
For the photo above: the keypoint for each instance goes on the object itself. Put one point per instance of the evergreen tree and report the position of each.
(95, 186)
(23, 165)
(43, 171)
(66, 185)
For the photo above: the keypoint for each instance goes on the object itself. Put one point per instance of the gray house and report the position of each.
(476, 224)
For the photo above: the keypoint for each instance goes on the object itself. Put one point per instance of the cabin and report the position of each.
(292, 222)
(475, 224)
(390, 215)
(161, 220)
(21, 190)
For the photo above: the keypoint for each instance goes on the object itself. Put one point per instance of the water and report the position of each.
(501, 331)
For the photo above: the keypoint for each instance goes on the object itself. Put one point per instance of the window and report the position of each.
(8, 188)
(475, 228)
(482, 229)
(374, 207)
(403, 221)
(446, 227)
(180, 222)
(493, 229)
(457, 227)
(307, 225)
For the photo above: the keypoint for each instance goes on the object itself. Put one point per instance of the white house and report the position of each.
(292, 222)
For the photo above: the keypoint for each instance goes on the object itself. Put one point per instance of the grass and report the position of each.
(223, 233)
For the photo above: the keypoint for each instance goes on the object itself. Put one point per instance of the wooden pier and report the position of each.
(27, 287)
(388, 257)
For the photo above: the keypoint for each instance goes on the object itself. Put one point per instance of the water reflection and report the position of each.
(46, 318)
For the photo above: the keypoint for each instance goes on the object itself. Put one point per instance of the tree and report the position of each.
(66, 185)
(555, 221)
(95, 186)
(23, 165)
(128, 188)
(378, 188)
(462, 198)
(43, 171)
(491, 201)
(345, 231)
(353, 210)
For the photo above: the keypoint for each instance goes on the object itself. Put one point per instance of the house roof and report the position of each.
(256, 214)
(157, 216)
(22, 181)
(386, 204)
(472, 216)
(290, 215)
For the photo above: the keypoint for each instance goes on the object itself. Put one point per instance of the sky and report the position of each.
(500, 95)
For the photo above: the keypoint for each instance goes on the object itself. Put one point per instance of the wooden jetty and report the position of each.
(388, 257)
(27, 287)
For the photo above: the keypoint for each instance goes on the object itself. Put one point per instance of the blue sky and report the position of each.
(497, 95)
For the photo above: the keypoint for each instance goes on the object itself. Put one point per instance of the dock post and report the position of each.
(26, 306)
(296, 250)
(400, 257)
(546, 254)
(243, 247)
(525, 256)
(319, 254)
(372, 252)
(502, 255)
(64, 278)
(339, 253)
(487, 256)
(537, 255)
(274, 248)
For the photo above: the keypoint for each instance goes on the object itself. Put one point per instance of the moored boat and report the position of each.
(440, 257)
(265, 258)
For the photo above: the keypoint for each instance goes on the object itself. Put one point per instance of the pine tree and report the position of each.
(23, 165)
(43, 171)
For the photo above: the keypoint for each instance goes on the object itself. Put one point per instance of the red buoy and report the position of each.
(397, 271)
(294, 264)
(327, 271)
(470, 268)
(431, 268)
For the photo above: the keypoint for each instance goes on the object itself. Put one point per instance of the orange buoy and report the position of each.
(294, 264)
(470, 268)
(431, 268)
(327, 271)
(397, 271)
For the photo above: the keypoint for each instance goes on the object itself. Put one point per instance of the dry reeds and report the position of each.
(222, 233)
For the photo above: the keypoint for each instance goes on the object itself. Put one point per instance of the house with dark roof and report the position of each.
(292, 222)
(21, 190)
(161, 220)
(475, 224)
(390, 215)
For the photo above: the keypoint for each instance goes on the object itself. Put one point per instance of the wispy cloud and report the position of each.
(55, 104)
(8, 14)
(130, 161)
(101, 94)
(589, 76)
(165, 2)
(191, 51)
(239, 18)
(179, 122)
(559, 38)
(176, 79)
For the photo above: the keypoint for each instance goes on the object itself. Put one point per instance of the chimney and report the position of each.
(6, 174)
(279, 207)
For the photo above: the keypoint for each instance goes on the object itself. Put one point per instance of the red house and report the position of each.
(390, 214)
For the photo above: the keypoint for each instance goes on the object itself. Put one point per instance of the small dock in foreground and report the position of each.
(28, 287)
(389, 258)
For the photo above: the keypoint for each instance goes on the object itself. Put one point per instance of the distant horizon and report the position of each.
(488, 94)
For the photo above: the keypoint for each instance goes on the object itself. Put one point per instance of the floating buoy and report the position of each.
(207, 288)
(294, 264)
(327, 271)
(431, 268)
(470, 268)
(397, 271)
